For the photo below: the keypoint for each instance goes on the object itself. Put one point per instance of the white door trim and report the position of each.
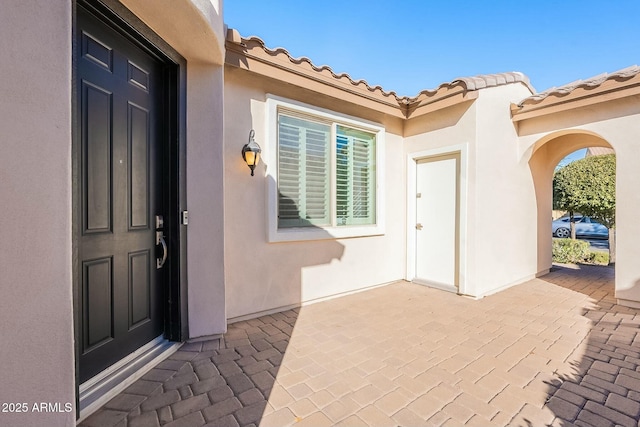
(412, 163)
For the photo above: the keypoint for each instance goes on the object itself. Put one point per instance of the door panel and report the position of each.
(97, 122)
(139, 288)
(138, 167)
(437, 216)
(119, 116)
(97, 288)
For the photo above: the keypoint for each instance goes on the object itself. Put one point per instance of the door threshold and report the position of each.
(103, 387)
(437, 285)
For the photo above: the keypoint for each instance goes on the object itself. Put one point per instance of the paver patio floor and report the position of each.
(553, 351)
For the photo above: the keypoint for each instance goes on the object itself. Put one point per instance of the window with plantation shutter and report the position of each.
(327, 175)
(303, 173)
(355, 176)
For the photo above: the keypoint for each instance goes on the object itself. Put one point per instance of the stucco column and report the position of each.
(542, 165)
(627, 224)
(205, 232)
(36, 311)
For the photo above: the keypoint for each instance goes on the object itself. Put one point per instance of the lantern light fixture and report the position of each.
(251, 152)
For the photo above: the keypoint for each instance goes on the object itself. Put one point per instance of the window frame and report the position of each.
(274, 105)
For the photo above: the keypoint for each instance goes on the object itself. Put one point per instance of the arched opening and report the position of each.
(548, 152)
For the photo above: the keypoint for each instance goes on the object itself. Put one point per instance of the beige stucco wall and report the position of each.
(262, 276)
(205, 188)
(545, 140)
(36, 312)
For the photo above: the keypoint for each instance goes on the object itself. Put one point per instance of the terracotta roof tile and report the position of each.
(253, 41)
(469, 83)
(593, 82)
(491, 80)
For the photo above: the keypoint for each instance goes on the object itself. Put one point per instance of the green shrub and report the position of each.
(570, 251)
(599, 258)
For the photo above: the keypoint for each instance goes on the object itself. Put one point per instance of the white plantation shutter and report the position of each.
(304, 162)
(355, 177)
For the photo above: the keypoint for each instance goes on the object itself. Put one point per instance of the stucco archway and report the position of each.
(547, 152)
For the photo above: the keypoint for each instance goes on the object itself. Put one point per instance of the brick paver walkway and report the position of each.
(554, 351)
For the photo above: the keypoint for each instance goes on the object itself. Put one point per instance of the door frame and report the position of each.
(173, 148)
(460, 150)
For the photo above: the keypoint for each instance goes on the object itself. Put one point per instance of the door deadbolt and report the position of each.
(159, 222)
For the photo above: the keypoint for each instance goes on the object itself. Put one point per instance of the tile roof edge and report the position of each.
(470, 83)
(481, 81)
(590, 83)
(303, 59)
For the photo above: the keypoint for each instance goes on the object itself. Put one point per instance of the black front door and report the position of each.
(120, 196)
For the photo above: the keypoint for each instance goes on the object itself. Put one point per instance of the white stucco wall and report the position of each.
(262, 276)
(36, 312)
(505, 246)
(623, 136)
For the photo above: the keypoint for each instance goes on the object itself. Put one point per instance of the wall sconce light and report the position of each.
(251, 152)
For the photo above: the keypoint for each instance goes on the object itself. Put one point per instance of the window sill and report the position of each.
(318, 233)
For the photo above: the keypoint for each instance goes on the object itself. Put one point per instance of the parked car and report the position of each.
(585, 227)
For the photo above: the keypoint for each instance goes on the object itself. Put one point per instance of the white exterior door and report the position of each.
(437, 221)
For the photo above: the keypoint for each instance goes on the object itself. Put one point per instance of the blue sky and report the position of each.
(411, 45)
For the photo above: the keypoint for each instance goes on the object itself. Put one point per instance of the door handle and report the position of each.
(160, 241)
(418, 226)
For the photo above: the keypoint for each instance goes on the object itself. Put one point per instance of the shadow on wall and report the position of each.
(273, 276)
(286, 204)
(603, 385)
